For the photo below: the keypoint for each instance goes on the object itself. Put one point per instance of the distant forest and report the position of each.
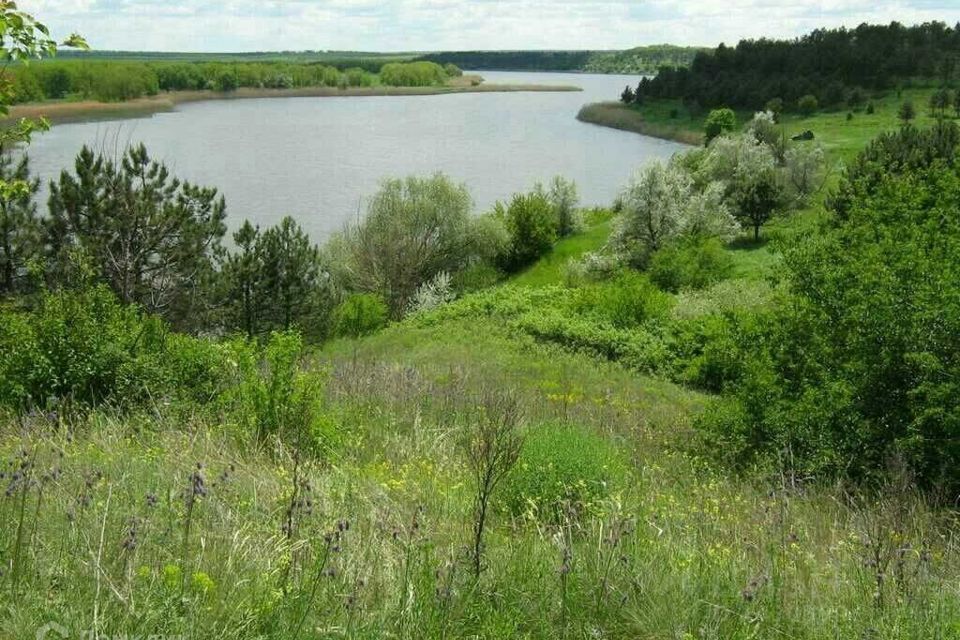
(638, 60)
(828, 64)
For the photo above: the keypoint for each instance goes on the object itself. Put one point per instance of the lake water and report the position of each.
(317, 159)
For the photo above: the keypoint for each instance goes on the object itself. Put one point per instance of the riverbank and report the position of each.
(88, 110)
(617, 115)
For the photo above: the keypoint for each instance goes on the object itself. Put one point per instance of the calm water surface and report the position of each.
(317, 159)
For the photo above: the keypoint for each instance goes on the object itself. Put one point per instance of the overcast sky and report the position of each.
(416, 25)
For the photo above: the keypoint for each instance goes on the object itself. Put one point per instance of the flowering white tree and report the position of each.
(805, 169)
(661, 204)
(708, 216)
(653, 205)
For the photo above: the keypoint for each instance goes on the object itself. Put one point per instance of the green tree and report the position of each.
(152, 238)
(628, 96)
(563, 197)
(294, 289)
(242, 276)
(20, 229)
(907, 112)
(719, 121)
(532, 225)
(775, 106)
(414, 229)
(859, 363)
(22, 38)
(808, 104)
(756, 198)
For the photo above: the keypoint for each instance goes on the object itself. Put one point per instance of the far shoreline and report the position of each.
(91, 110)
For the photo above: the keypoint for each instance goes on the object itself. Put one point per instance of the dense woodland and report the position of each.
(831, 65)
(119, 80)
(638, 60)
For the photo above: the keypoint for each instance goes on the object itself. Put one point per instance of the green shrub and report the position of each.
(690, 265)
(531, 222)
(626, 301)
(562, 469)
(85, 348)
(808, 104)
(360, 315)
(719, 121)
(274, 397)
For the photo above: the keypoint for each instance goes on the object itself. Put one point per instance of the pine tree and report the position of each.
(153, 239)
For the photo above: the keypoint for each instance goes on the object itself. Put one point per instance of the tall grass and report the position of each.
(157, 524)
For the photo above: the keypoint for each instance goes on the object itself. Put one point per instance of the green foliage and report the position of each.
(414, 229)
(827, 63)
(83, 348)
(907, 112)
(20, 228)
(532, 224)
(275, 281)
(563, 197)
(275, 398)
(626, 301)
(858, 365)
(359, 315)
(563, 471)
(692, 264)
(808, 105)
(719, 121)
(151, 238)
(412, 74)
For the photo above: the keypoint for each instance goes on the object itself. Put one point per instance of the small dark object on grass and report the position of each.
(806, 135)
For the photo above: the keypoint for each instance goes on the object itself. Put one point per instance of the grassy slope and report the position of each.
(842, 137)
(679, 550)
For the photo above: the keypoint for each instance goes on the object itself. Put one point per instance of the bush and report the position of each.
(627, 301)
(532, 225)
(563, 469)
(359, 315)
(808, 104)
(83, 348)
(719, 121)
(414, 229)
(693, 264)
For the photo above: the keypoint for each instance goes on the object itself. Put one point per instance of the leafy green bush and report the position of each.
(626, 301)
(563, 470)
(85, 348)
(359, 315)
(531, 222)
(859, 364)
(274, 397)
(719, 121)
(692, 264)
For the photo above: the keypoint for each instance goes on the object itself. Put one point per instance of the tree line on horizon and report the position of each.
(832, 66)
(116, 80)
(646, 59)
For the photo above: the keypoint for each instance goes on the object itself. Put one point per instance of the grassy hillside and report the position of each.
(177, 519)
(841, 135)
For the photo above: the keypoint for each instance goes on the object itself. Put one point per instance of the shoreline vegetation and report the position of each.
(843, 132)
(625, 118)
(62, 111)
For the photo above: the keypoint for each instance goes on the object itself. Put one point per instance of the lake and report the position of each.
(317, 159)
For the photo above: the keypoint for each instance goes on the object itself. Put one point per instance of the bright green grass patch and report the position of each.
(551, 268)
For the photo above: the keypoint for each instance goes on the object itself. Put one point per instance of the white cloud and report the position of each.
(383, 25)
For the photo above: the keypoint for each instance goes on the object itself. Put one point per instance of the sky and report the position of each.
(423, 25)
